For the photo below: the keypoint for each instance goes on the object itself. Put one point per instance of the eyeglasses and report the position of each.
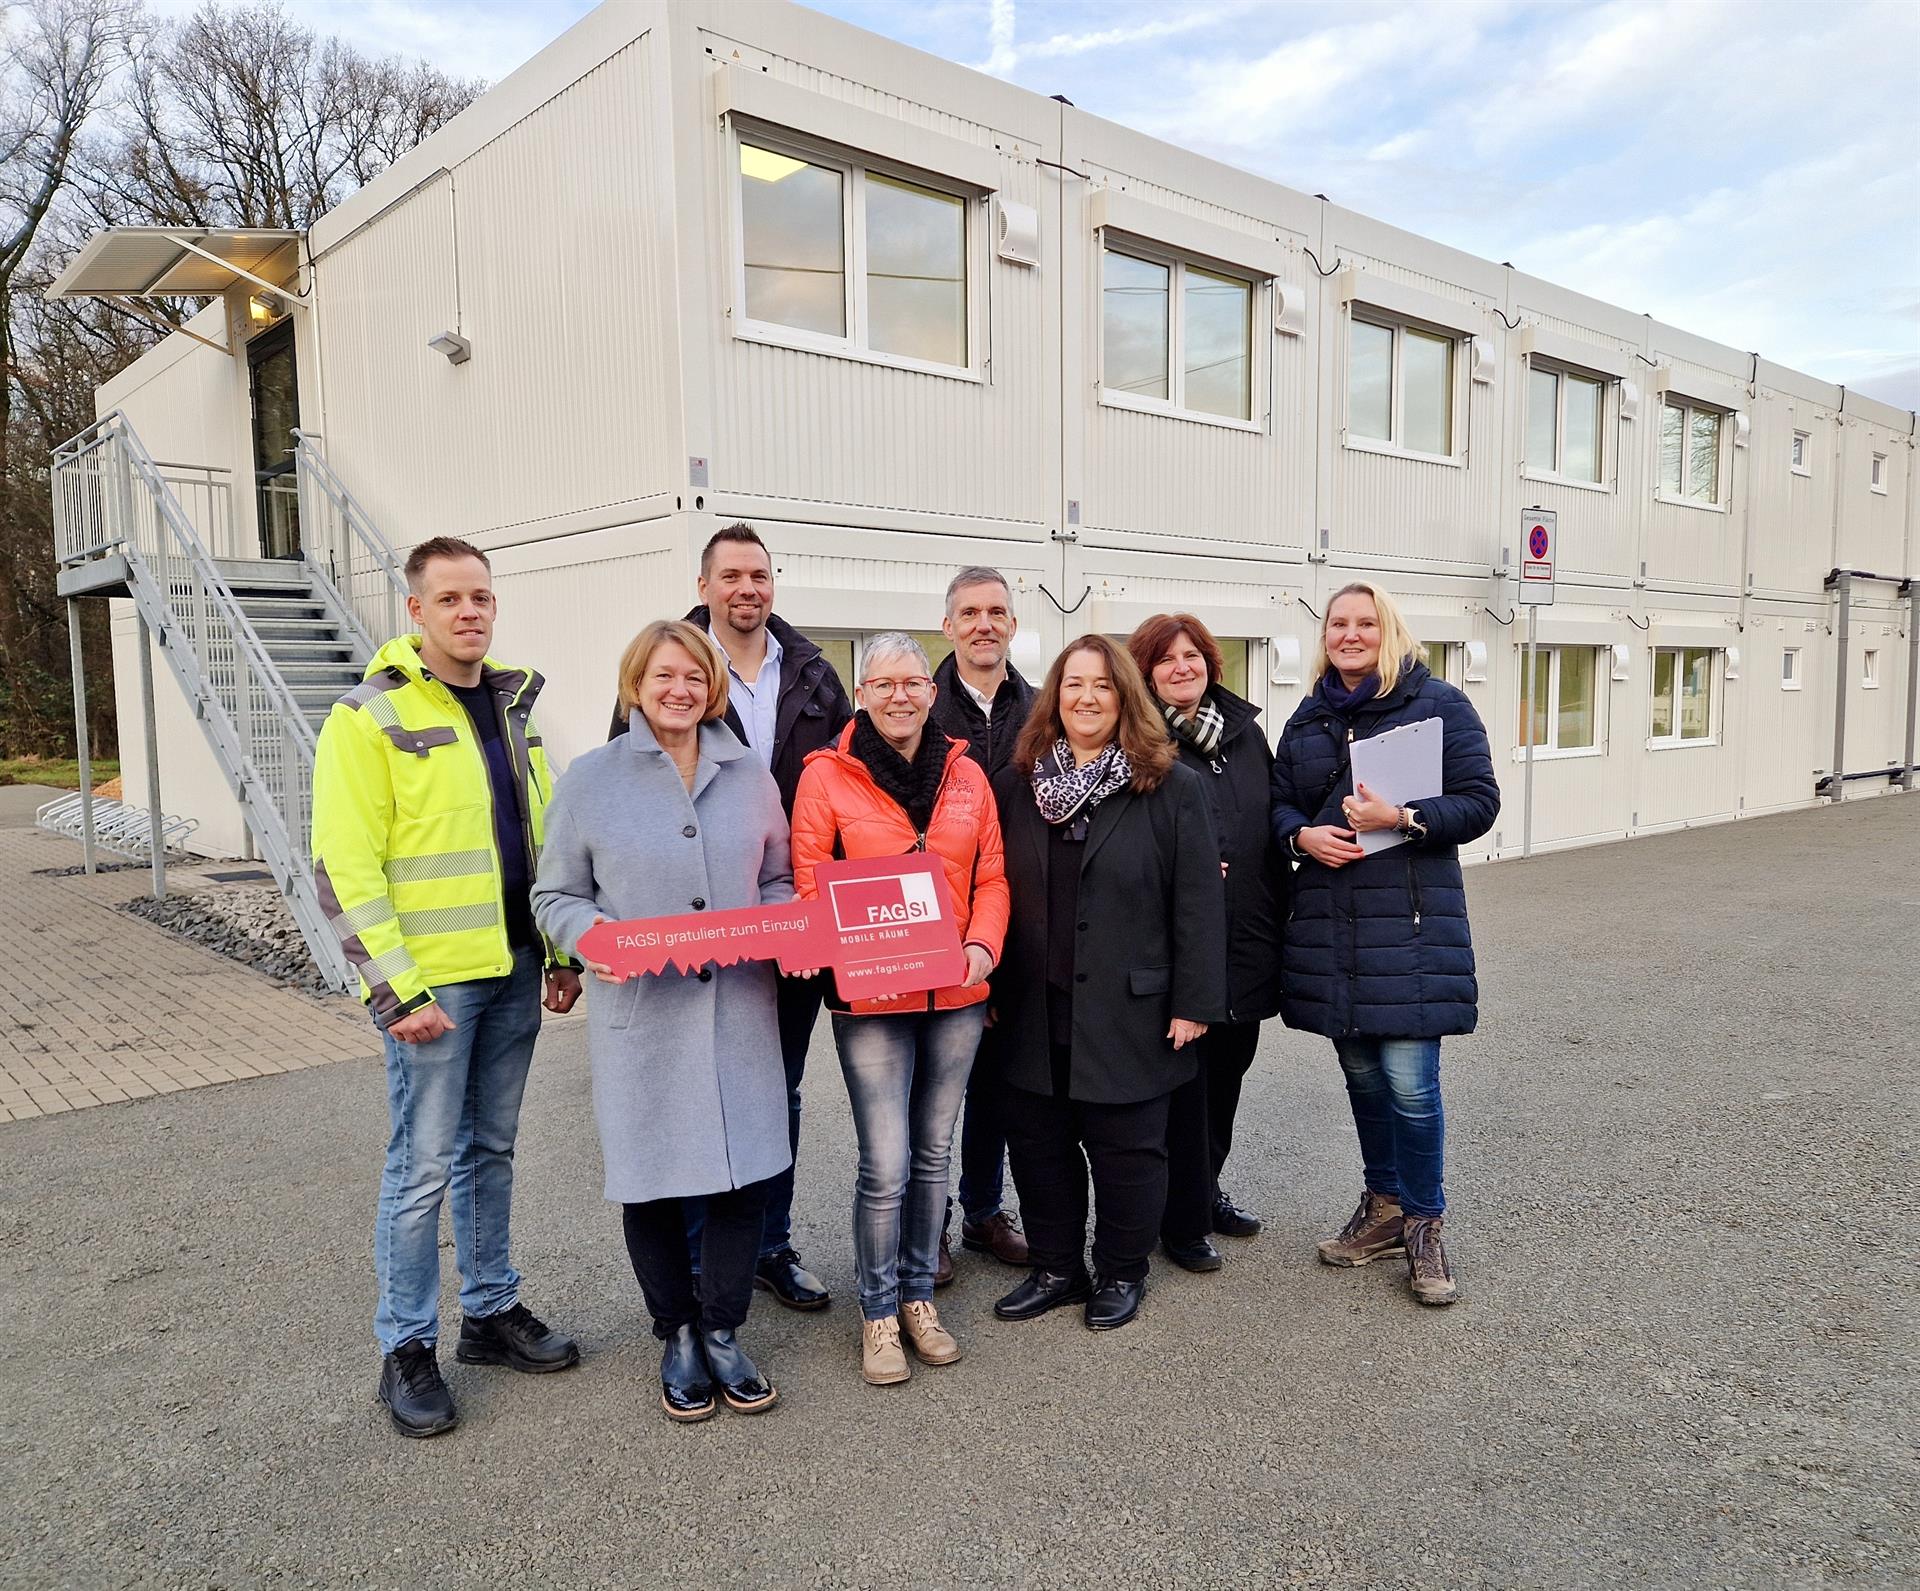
(914, 689)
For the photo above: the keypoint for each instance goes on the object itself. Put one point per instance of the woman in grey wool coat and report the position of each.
(677, 816)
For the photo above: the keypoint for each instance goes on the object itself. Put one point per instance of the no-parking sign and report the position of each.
(1539, 532)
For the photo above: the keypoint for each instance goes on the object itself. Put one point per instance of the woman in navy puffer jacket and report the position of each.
(1377, 954)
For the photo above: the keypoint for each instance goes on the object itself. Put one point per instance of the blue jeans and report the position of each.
(906, 1076)
(1394, 1087)
(455, 1108)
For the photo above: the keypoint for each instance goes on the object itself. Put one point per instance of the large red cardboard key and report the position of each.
(883, 924)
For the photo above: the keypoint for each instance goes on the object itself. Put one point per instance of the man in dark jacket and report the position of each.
(982, 700)
(784, 701)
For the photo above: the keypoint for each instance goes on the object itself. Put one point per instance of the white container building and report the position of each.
(701, 262)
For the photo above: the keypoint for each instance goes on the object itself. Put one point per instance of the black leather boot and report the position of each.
(741, 1383)
(1042, 1291)
(414, 1394)
(1114, 1304)
(1199, 1255)
(686, 1384)
(517, 1338)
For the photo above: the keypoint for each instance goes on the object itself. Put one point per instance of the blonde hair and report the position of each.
(639, 654)
(1397, 645)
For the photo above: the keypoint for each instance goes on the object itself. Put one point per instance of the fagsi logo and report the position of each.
(882, 902)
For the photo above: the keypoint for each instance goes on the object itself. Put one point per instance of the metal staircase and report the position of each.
(262, 647)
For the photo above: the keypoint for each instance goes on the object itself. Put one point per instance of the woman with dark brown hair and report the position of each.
(1219, 736)
(1114, 965)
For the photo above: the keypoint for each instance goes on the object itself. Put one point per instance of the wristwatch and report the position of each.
(1410, 824)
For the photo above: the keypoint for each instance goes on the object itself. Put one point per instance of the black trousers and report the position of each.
(1052, 1142)
(717, 1298)
(1200, 1128)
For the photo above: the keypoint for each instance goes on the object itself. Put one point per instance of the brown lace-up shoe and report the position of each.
(1428, 1273)
(943, 1266)
(1372, 1232)
(882, 1360)
(998, 1235)
(920, 1325)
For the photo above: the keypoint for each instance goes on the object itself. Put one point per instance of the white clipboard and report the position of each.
(1402, 767)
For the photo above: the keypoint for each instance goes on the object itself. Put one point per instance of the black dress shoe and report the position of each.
(788, 1280)
(1229, 1220)
(741, 1383)
(516, 1338)
(686, 1384)
(1199, 1255)
(414, 1394)
(1041, 1291)
(1114, 1304)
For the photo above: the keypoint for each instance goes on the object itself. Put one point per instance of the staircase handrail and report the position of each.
(307, 455)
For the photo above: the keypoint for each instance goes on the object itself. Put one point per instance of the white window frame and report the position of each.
(1716, 675)
(1723, 465)
(853, 169)
(1792, 668)
(1870, 668)
(1453, 661)
(1877, 474)
(1176, 261)
(1609, 461)
(1803, 444)
(1457, 423)
(1550, 749)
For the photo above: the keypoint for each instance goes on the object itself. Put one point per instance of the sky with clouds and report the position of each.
(1746, 169)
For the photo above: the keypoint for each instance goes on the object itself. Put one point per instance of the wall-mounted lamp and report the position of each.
(264, 308)
(457, 349)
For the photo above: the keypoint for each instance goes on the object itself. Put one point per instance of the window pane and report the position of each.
(1799, 450)
(1673, 428)
(1696, 694)
(1543, 420)
(1370, 381)
(916, 272)
(1577, 716)
(1233, 665)
(1218, 343)
(791, 224)
(1427, 369)
(1542, 670)
(1789, 666)
(1582, 460)
(1663, 694)
(1703, 457)
(1135, 301)
(838, 651)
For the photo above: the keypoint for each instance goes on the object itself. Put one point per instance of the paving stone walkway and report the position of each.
(98, 1006)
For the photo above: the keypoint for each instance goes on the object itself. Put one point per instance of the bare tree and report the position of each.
(59, 56)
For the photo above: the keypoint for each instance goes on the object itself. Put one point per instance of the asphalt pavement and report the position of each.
(1679, 1154)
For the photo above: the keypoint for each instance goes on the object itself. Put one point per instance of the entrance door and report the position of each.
(276, 411)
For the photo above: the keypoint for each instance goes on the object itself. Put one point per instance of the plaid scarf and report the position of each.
(1202, 731)
(1068, 794)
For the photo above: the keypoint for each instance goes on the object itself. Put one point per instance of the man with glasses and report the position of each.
(982, 700)
(784, 701)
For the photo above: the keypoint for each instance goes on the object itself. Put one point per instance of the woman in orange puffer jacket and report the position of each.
(891, 786)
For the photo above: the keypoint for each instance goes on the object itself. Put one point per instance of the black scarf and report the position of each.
(914, 785)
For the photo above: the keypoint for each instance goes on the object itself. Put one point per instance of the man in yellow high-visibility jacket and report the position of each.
(429, 789)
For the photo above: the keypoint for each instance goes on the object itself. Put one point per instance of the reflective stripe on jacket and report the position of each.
(839, 810)
(404, 851)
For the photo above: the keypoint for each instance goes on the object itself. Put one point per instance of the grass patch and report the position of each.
(63, 773)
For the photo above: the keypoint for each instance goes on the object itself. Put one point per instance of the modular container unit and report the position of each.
(715, 262)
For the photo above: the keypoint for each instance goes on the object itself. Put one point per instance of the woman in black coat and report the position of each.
(1113, 967)
(1218, 736)
(1377, 955)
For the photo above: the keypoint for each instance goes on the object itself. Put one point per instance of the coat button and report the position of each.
(1079, 977)
(699, 903)
(706, 975)
(689, 831)
(1083, 928)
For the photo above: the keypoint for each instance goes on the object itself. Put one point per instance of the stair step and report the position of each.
(304, 649)
(309, 609)
(278, 632)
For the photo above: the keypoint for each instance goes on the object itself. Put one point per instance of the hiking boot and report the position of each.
(1428, 1273)
(882, 1360)
(414, 1394)
(998, 1235)
(1372, 1232)
(516, 1338)
(932, 1342)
